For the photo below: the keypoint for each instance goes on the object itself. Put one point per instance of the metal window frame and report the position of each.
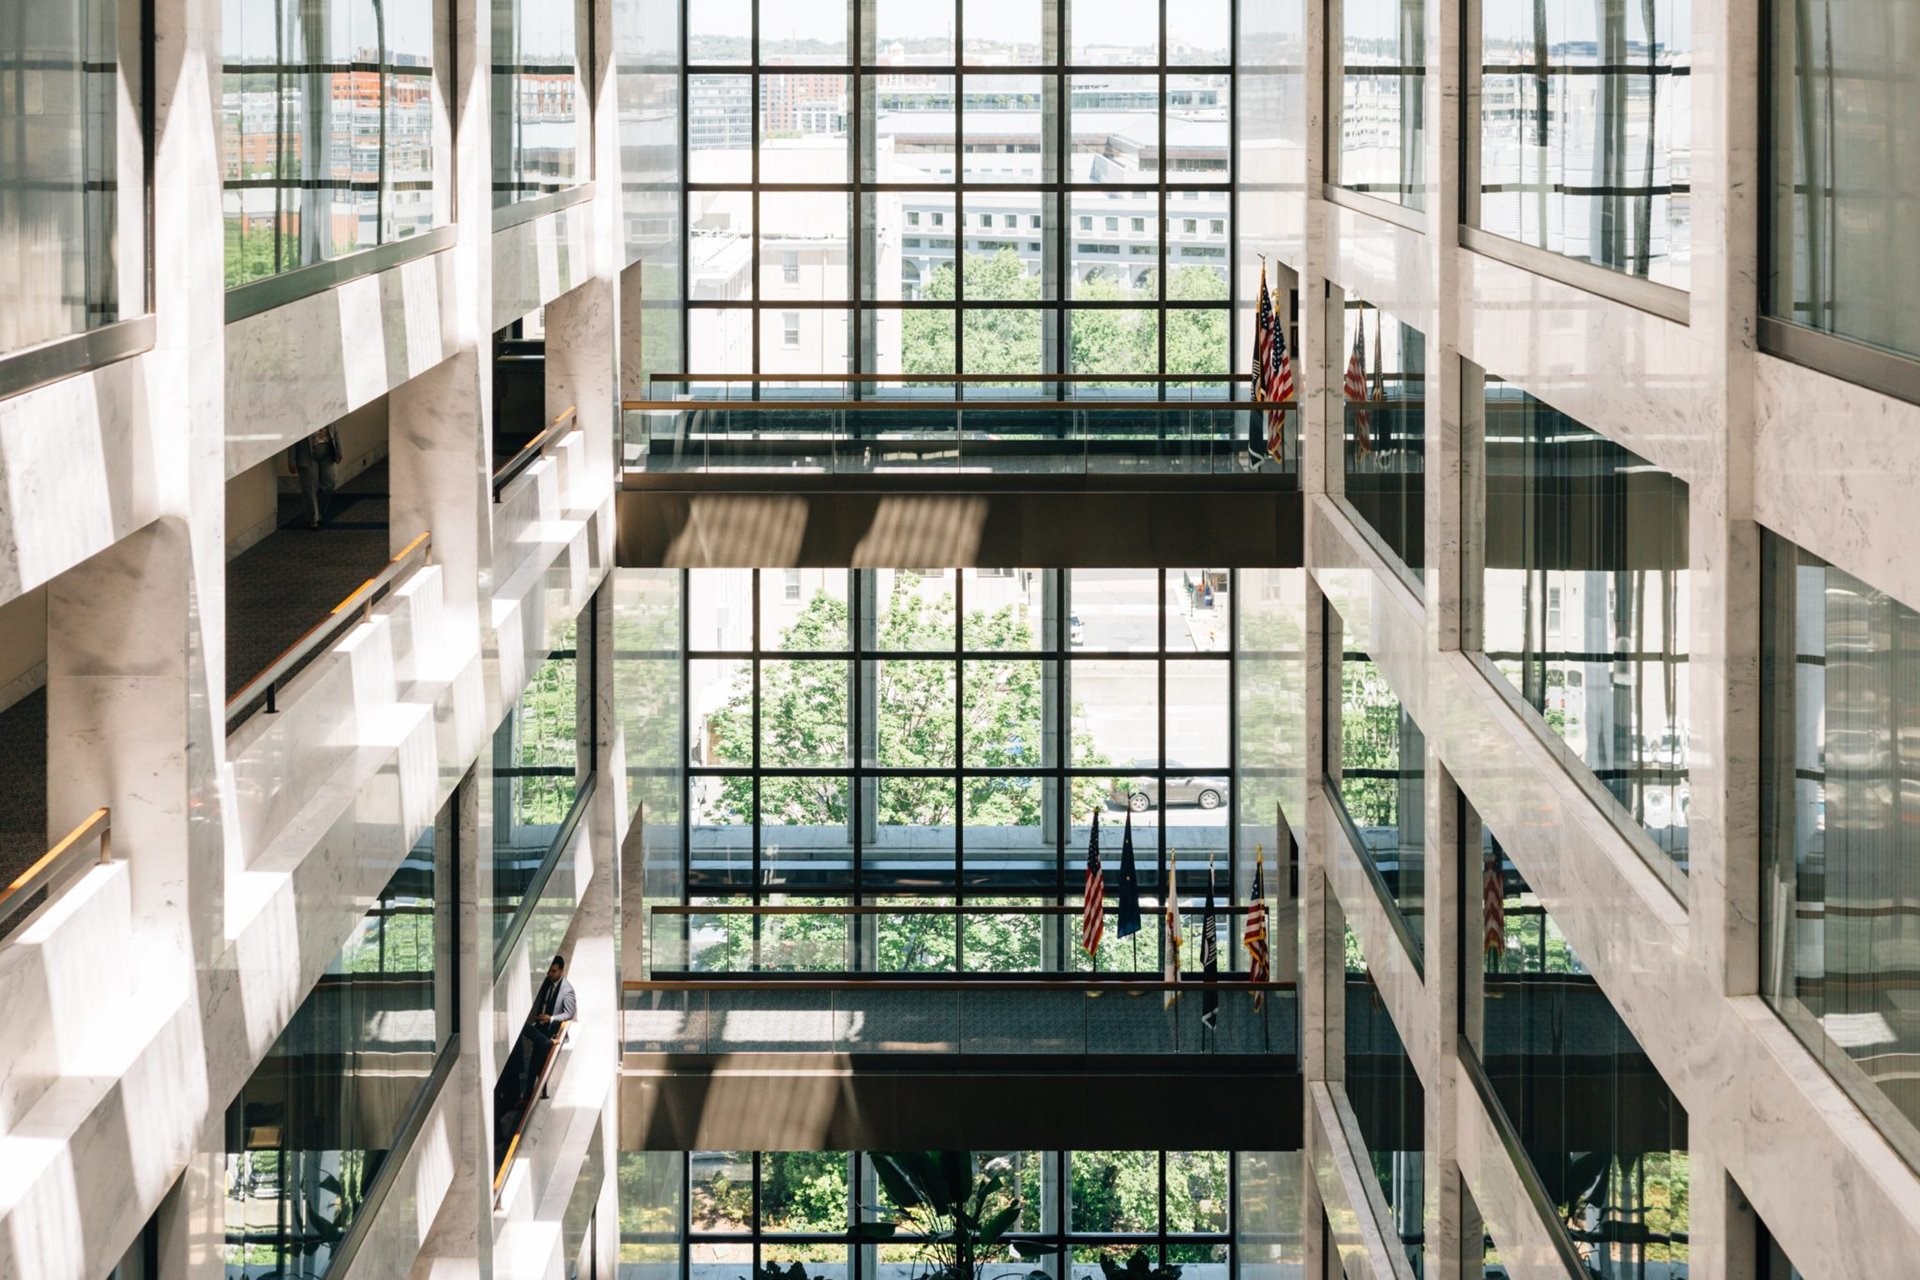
(1059, 775)
(1058, 1232)
(1056, 79)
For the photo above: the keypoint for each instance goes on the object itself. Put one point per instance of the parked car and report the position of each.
(1076, 633)
(1209, 791)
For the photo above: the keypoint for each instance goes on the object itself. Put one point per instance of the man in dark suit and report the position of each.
(554, 1006)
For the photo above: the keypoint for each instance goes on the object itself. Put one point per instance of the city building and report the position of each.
(960, 640)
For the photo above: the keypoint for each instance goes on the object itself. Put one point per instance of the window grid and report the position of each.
(1055, 192)
(1056, 1231)
(1152, 841)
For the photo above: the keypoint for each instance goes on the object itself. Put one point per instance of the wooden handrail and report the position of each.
(533, 449)
(342, 616)
(526, 1113)
(55, 869)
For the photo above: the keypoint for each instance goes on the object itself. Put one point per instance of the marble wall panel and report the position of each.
(77, 471)
(1524, 1238)
(536, 261)
(1834, 469)
(293, 369)
(1644, 381)
(1381, 262)
(1354, 1206)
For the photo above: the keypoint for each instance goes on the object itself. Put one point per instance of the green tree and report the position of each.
(1369, 739)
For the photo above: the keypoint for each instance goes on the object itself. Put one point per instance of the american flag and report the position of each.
(1272, 371)
(1093, 919)
(1254, 935)
(1355, 387)
(1496, 909)
(1210, 959)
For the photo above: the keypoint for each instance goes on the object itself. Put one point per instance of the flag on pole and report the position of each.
(1254, 935)
(1129, 921)
(1210, 959)
(1383, 425)
(1272, 377)
(1281, 391)
(1170, 951)
(1496, 899)
(1355, 386)
(1093, 913)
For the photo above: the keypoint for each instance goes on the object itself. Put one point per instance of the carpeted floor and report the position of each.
(23, 784)
(287, 582)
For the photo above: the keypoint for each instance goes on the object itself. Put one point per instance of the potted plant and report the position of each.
(958, 1218)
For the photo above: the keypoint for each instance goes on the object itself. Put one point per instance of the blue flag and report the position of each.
(1129, 885)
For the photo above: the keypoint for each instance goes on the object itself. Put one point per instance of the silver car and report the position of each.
(1209, 791)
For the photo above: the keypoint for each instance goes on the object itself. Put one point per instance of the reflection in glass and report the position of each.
(1385, 433)
(1584, 131)
(327, 130)
(1383, 769)
(720, 128)
(1388, 1102)
(540, 757)
(1600, 1128)
(537, 112)
(1840, 753)
(1845, 95)
(1584, 601)
(803, 128)
(73, 260)
(1382, 116)
(802, 32)
(310, 1130)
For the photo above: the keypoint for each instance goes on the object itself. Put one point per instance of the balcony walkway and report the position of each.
(281, 587)
(23, 784)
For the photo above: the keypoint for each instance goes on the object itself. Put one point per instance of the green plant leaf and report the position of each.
(996, 1226)
(900, 1184)
(869, 1232)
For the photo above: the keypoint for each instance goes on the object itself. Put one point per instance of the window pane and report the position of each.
(1009, 832)
(1115, 128)
(803, 713)
(1111, 33)
(1009, 609)
(915, 704)
(805, 843)
(1197, 725)
(722, 1201)
(1007, 261)
(1114, 1192)
(721, 836)
(719, 128)
(1199, 33)
(910, 33)
(1005, 710)
(912, 123)
(720, 340)
(1199, 610)
(803, 245)
(1388, 1102)
(1116, 713)
(719, 31)
(803, 128)
(803, 1193)
(1386, 434)
(1199, 109)
(1002, 118)
(803, 33)
(911, 342)
(802, 609)
(1005, 341)
(808, 340)
(1114, 240)
(1115, 610)
(915, 609)
(909, 238)
(1115, 341)
(1006, 33)
(1382, 149)
(1382, 787)
(720, 710)
(720, 244)
(536, 135)
(909, 842)
(1584, 132)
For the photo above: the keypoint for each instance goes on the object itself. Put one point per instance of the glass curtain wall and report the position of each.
(72, 197)
(746, 1210)
(1584, 132)
(1381, 781)
(1384, 444)
(542, 755)
(979, 187)
(538, 114)
(647, 65)
(1601, 1131)
(1388, 1102)
(1377, 136)
(1584, 603)
(311, 1130)
(1270, 756)
(1840, 755)
(327, 130)
(1844, 204)
(939, 738)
